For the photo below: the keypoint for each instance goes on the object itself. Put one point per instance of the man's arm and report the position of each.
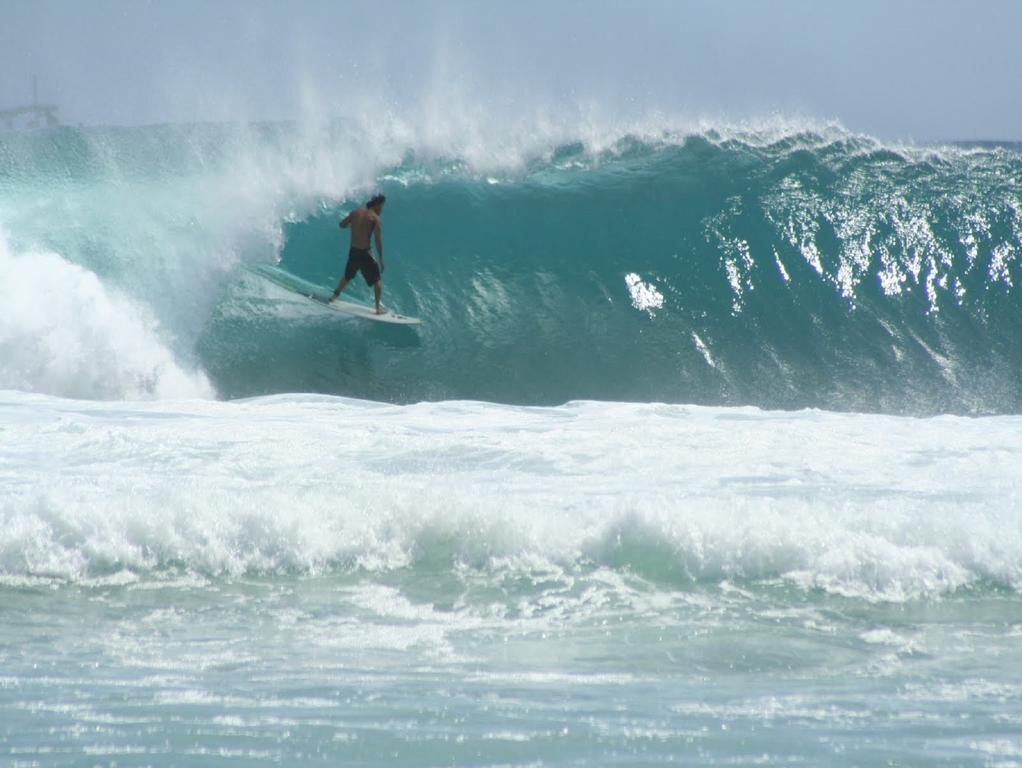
(346, 222)
(379, 241)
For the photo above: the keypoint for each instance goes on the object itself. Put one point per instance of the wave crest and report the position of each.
(62, 332)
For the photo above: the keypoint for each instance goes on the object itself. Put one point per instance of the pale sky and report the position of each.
(898, 69)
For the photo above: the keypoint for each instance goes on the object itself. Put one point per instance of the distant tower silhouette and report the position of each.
(35, 115)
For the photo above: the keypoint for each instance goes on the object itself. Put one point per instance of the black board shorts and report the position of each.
(359, 259)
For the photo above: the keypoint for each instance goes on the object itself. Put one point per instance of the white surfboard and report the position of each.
(366, 313)
(307, 290)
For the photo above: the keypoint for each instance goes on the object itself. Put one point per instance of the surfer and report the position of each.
(365, 223)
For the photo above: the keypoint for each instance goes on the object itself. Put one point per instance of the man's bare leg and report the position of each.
(339, 288)
(378, 290)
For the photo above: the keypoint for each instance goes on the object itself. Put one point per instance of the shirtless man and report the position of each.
(364, 223)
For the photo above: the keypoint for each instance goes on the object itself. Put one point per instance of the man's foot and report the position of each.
(380, 310)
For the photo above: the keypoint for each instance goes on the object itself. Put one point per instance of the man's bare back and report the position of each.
(363, 222)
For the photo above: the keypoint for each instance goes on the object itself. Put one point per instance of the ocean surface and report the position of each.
(707, 452)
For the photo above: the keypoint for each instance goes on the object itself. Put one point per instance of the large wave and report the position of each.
(775, 265)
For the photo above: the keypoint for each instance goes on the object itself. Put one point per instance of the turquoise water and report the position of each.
(707, 452)
(777, 268)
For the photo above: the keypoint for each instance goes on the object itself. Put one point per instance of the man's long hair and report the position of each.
(376, 201)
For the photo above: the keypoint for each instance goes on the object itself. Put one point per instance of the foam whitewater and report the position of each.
(875, 507)
(775, 265)
(300, 578)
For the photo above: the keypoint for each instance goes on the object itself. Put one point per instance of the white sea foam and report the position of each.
(867, 506)
(63, 332)
(644, 295)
